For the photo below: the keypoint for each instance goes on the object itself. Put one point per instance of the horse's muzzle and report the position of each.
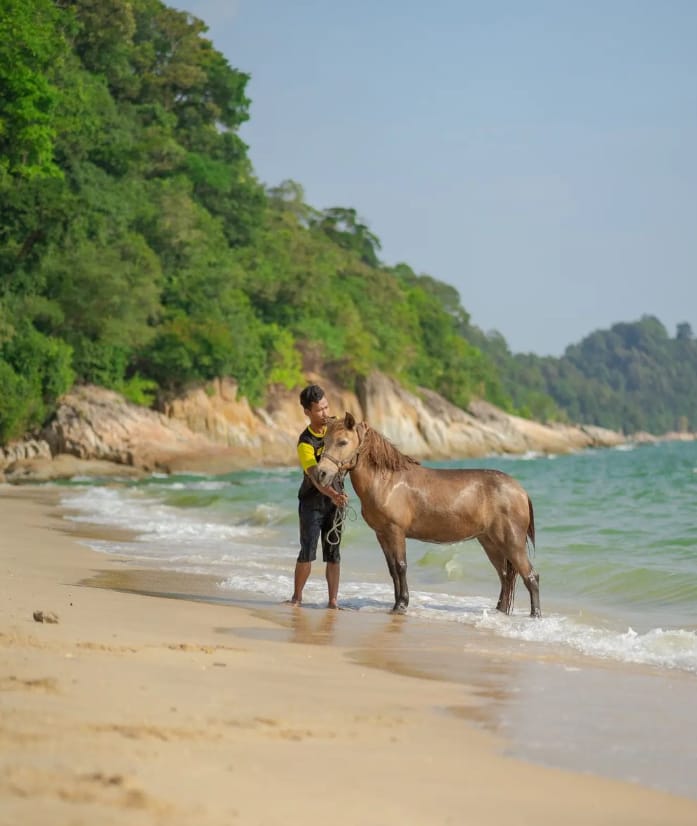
(325, 477)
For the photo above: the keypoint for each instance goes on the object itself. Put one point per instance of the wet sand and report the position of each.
(553, 707)
(133, 709)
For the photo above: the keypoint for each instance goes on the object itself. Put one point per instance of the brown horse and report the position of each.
(400, 498)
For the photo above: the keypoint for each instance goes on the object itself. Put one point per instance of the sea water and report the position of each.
(616, 549)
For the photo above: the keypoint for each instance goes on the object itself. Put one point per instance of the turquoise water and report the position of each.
(616, 549)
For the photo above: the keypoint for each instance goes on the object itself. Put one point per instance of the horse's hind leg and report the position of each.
(506, 572)
(532, 583)
(508, 567)
(530, 577)
(394, 546)
(508, 580)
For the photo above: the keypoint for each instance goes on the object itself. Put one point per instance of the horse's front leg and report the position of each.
(394, 546)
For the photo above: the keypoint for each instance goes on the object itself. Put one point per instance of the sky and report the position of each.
(540, 157)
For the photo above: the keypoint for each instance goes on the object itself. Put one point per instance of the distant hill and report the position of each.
(632, 377)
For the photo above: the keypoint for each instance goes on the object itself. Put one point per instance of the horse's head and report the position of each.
(342, 442)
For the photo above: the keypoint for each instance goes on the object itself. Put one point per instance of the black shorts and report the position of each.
(317, 520)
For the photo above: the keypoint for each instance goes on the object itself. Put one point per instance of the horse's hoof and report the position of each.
(505, 609)
(399, 609)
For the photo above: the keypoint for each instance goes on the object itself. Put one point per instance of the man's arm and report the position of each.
(306, 457)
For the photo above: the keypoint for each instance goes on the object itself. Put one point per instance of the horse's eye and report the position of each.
(342, 443)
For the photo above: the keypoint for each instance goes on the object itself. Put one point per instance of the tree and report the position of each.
(32, 49)
(344, 227)
(684, 332)
(34, 371)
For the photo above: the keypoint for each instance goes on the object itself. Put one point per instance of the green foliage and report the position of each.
(284, 365)
(186, 350)
(632, 377)
(107, 289)
(347, 231)
(32, 47)
(34, 371)
(138, 390)
(445, 360)
(99, 362)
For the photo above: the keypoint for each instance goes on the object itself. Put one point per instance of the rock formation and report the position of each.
(96, 432)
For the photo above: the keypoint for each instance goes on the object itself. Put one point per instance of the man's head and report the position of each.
(315, 405)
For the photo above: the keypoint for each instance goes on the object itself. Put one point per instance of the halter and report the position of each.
(348, 464)
(343, 466)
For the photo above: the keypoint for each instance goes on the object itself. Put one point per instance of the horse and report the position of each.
(400, 499)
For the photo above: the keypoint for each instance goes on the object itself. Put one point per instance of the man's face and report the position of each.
(318, 414)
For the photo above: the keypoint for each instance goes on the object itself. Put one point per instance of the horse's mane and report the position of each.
(381, 453)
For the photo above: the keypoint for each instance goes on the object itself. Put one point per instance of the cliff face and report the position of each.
(96, 432)
(429, 427)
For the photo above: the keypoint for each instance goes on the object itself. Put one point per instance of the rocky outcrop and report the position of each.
(426, 426)
(203, 429)
(64, 466)
(94, 423)
(96, 432)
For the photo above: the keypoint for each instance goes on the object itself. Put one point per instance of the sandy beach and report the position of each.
(144, 709)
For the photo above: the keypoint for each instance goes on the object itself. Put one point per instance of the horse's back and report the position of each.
(487, 481)
(452, 504)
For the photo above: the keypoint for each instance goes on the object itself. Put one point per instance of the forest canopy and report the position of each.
(139, 251)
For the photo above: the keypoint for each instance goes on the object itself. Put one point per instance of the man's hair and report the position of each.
(311, 394)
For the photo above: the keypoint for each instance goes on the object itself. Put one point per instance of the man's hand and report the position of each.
(339, 499)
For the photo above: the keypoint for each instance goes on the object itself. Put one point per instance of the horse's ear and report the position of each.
(349, 421)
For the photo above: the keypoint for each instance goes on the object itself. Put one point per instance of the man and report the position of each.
(317, 504)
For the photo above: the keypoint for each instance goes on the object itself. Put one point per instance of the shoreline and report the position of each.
(30, 470)
(140, 710)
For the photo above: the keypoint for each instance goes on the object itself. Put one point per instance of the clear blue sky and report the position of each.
(541, 157)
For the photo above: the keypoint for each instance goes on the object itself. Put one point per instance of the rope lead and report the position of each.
(334, 533)
(341, 515)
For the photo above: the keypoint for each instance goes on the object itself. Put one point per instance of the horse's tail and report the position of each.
(531, 523)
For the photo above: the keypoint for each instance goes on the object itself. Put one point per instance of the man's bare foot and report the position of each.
(293, 601)
(334, 605)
